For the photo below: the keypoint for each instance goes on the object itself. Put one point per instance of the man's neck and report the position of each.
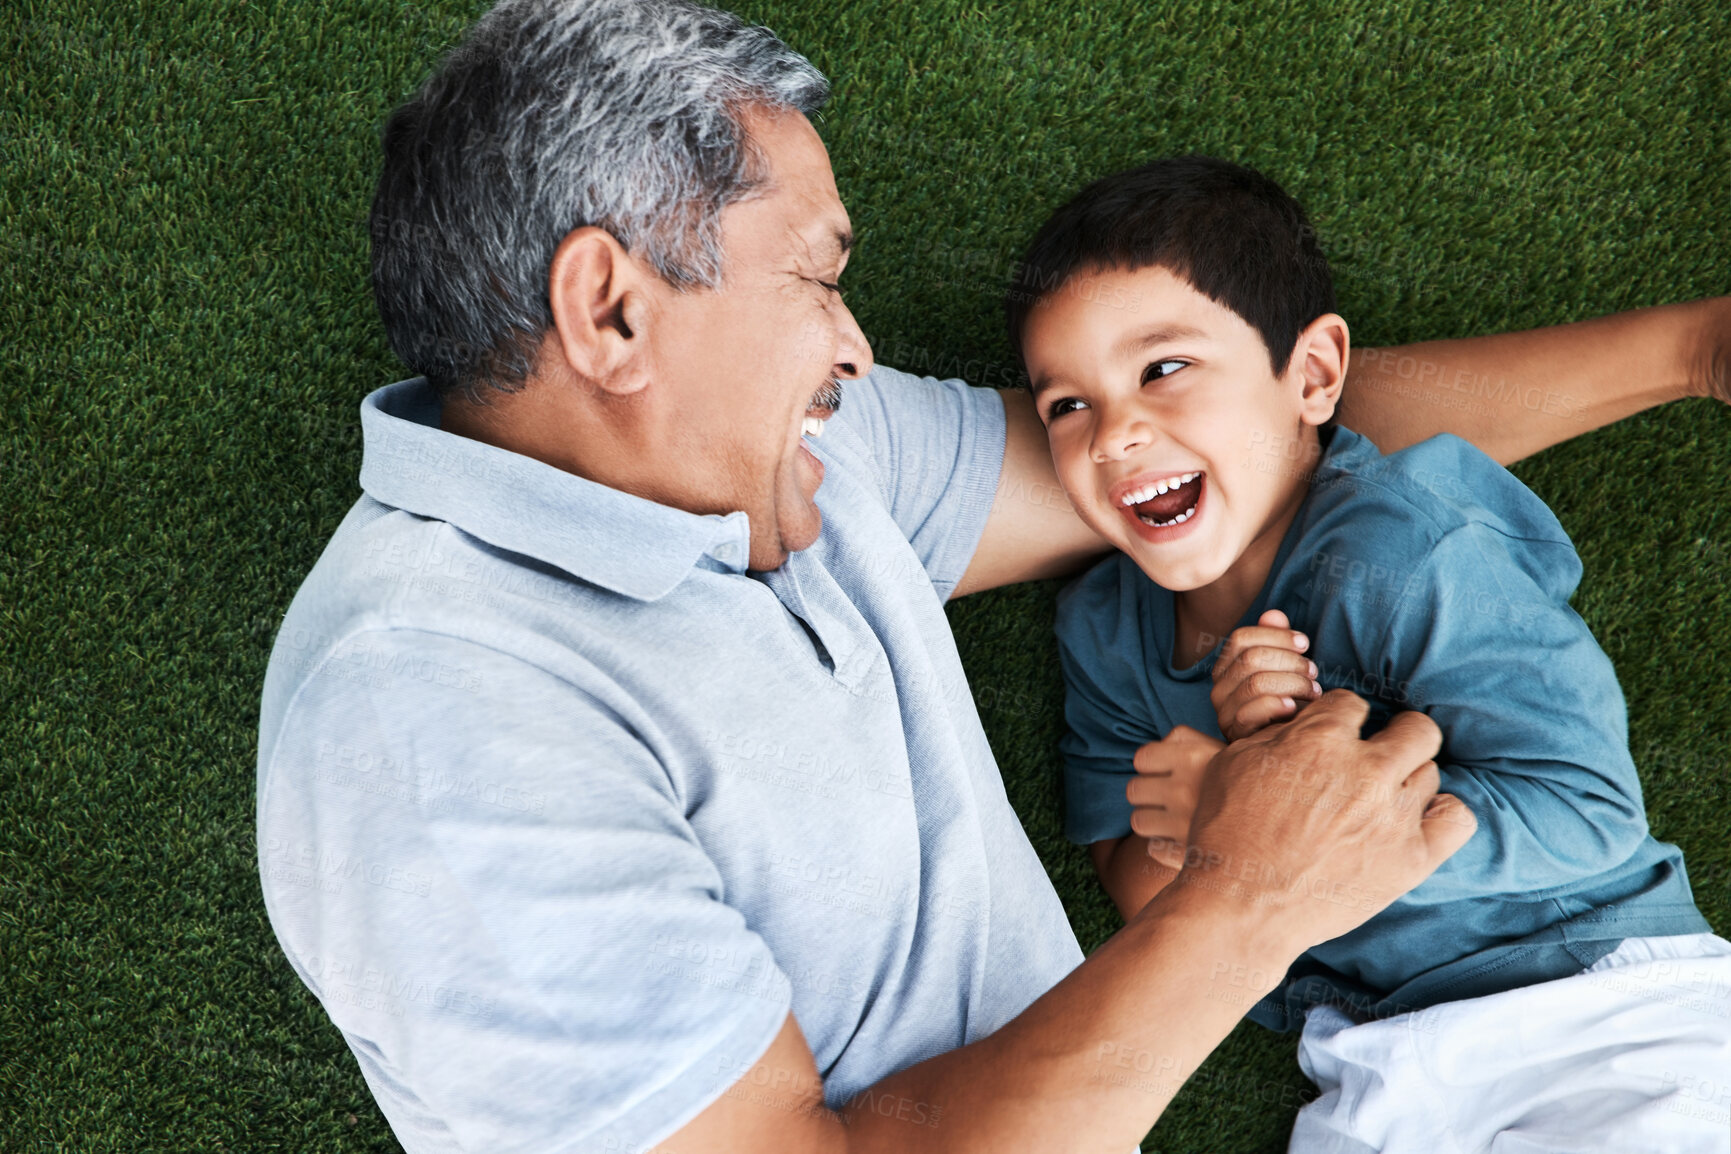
(529, 421)
(558, 422)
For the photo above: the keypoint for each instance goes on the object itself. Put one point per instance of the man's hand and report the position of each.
(1163, 793)
(1321, 827)
(1262, 676)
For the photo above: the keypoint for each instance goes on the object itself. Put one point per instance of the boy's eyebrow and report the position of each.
(1130, 345)
(1157, 335)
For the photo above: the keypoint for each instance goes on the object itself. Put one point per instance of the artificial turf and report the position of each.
(187, 330)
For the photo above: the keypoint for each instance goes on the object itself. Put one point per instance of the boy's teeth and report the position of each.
(1178, 520)
(811, 427)
(1158, 488)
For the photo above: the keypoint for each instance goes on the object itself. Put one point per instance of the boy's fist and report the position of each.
(1262, 676)
(1163, 793)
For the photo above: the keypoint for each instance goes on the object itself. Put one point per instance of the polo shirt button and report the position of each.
(724, 551)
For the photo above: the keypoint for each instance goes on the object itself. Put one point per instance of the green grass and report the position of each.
(187, 330)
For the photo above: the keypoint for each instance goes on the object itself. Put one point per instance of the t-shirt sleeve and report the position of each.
(1478, 634)
(1107, 712)
(514, 926)
(936, 449)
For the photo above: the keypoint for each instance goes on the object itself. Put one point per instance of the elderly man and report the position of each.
(619, 784)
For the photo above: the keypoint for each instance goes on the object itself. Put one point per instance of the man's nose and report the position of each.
(853, 354)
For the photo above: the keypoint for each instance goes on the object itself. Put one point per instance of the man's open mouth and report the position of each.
(1166, 502)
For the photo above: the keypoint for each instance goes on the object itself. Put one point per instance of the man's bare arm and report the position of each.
(1516, 393)
(1090, 1066)
(1032, 531)
(1118, 1035)
(1511, 395)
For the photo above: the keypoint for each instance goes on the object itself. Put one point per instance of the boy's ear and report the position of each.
(1319, 359)
(600, 298)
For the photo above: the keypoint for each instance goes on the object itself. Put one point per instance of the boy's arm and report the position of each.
(1480, 637)
(1511, 394)
(1126, 786)
(1129, 875)
(1162, 797)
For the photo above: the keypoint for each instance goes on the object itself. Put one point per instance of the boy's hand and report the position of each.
(1262, 676)
(1163, 793)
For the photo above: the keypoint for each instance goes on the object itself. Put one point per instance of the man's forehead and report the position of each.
(800, 184)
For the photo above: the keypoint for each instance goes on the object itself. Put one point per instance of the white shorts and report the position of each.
(1631, 1056)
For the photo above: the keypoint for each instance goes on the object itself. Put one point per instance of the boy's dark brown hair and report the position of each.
(1232, 233)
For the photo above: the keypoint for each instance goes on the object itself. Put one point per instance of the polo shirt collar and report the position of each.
(604, 536)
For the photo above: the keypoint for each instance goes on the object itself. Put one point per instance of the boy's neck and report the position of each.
(1208, 613)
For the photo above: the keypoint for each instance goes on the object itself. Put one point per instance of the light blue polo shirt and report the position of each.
(561, 810)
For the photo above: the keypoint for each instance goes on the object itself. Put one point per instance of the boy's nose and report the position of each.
(1121, 431)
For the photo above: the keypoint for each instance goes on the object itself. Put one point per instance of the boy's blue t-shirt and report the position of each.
(1429, 579)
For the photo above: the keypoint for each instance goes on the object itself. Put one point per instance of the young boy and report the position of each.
(1553, 983)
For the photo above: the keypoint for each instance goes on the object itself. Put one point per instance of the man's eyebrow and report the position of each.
(839, 243)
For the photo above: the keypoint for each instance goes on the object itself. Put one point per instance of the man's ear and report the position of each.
(1319, 359)
(601, 303)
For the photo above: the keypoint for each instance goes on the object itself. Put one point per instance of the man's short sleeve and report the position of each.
(936, 449)
(515, 927)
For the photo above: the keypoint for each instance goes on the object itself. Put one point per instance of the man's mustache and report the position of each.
(828, 397)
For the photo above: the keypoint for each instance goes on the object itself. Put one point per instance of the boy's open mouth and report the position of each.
(1171, 501)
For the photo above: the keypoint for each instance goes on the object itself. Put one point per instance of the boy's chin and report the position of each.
(1166, 572)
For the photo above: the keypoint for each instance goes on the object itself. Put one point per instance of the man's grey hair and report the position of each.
(549, 116)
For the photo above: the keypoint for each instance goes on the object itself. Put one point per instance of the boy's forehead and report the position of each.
(1113, 314)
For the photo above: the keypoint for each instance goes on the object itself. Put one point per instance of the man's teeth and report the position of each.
(1166, 485)
(811, 427)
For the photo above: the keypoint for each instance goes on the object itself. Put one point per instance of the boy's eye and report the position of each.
(1064, 405)
(1159, 370)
